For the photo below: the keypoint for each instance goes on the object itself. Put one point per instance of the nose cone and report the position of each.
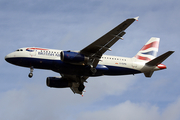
(162, 66)
(7, 58)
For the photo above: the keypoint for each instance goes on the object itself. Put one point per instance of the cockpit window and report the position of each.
(19, 50)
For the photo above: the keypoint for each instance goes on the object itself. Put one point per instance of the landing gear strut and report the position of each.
(31, 72)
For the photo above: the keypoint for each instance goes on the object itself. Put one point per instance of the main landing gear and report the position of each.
(31, 72)
(93, 70)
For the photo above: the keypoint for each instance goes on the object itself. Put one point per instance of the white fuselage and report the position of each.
(116, 65)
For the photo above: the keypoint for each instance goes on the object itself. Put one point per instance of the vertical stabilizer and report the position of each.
(149, 50)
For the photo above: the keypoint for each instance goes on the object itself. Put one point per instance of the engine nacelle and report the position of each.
(57, 82)
(73, 57)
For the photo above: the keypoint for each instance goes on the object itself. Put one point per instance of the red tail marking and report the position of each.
(154, 44)
(142, 58)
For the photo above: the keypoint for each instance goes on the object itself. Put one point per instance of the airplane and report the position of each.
(75, 67)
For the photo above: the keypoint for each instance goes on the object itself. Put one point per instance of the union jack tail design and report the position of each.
(149, 50)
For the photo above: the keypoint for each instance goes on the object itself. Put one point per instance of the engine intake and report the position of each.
(73, 57)
(57, 82)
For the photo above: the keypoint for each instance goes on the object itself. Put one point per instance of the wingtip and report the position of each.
(171, 52)
(136, 18)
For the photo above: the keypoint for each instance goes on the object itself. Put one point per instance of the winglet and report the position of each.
(136, 18)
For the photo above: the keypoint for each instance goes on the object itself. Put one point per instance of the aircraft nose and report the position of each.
(8, 57)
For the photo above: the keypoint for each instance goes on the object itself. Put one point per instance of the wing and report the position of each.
(96, 49)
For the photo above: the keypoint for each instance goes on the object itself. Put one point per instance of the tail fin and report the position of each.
(149, 50)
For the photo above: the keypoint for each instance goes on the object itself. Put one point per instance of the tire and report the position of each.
(30, 75)
(93, 70)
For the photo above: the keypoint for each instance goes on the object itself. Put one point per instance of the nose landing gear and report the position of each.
(31, 72)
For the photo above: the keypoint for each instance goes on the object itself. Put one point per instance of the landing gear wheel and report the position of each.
(93, 70)
(81, 87)
(31, 72)
(30, 75)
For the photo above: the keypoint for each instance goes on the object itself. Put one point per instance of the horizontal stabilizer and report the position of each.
(159, 59)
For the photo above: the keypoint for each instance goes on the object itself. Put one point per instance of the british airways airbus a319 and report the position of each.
(76, 66)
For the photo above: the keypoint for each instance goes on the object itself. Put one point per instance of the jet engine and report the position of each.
(58, 82)
(73, 57)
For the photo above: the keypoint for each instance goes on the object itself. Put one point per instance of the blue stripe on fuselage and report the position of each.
(114, 70)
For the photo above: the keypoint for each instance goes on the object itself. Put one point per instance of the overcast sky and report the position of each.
(72, 25)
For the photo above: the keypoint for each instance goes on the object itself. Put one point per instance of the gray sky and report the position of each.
(72, 25)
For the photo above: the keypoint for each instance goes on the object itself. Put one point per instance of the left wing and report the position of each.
(96, 49)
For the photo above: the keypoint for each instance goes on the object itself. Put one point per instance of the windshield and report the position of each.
(19, 50)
